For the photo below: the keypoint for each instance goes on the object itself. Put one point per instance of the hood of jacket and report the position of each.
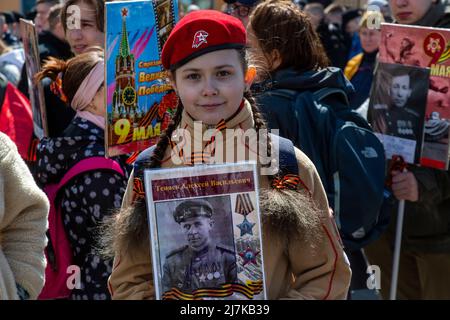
(289, 78)
(82, 139)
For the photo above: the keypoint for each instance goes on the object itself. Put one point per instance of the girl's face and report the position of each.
(211, 87)
(409, 11)
(88, 35)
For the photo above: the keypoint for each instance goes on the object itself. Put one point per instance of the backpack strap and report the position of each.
(89, 164)
(288, 160)
(143, 157)
(285, 93)
(321, 94)
(318, 95)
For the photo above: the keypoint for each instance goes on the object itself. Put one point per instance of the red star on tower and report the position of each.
(124, 12)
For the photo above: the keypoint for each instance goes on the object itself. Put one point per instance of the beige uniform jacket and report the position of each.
(23, 223)
(297, 271)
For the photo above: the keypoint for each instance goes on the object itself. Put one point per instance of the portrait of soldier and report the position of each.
(400, 116)
(201, 263)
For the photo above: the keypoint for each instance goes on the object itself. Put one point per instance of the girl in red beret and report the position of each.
(303, 256)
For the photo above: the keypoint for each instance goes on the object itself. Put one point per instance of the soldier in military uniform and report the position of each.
(201, 263)
(398, 120)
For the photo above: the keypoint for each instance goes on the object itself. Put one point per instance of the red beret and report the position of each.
(200, 32)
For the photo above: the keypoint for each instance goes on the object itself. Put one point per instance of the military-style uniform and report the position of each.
(188, 270)
(403, 123)
(192, 208)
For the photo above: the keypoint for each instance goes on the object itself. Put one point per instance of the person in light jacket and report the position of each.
(23, 223)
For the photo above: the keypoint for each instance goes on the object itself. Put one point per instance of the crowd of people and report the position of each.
(263, 64)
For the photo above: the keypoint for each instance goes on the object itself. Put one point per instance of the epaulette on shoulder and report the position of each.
(224, 248)
(411, 111)
(143, 157)
(178, 250)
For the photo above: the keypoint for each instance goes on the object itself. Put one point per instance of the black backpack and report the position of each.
(349, 158)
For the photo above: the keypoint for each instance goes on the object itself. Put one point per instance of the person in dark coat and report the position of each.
(425, 251)
(330, 35)
(359, 70)
(300, 64)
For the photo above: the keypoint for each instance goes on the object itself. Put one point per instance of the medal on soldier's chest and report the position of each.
(405, 127)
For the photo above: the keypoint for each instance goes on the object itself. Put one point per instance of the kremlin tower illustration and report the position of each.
(124, 102)
(129, 121)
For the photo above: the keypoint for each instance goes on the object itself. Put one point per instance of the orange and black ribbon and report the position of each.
(131, 159)
(138, 189)
(289, 181)
(249, 290)
(202, 156)
(222, 125)
(199, 158)
(244, 204)
(56, 88)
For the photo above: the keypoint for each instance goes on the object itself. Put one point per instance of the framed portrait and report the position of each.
(33, 66)
(205, 232)
(425, 48)
(397, 109)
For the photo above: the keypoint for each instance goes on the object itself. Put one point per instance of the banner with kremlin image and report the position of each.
(140, 102)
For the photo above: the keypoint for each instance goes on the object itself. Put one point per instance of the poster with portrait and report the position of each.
(140, 102)
(397, 109)
(33, 66)
(429, 48)
(205, 232)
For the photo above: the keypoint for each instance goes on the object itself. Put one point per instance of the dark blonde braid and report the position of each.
(164, 139)
(259, 121)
